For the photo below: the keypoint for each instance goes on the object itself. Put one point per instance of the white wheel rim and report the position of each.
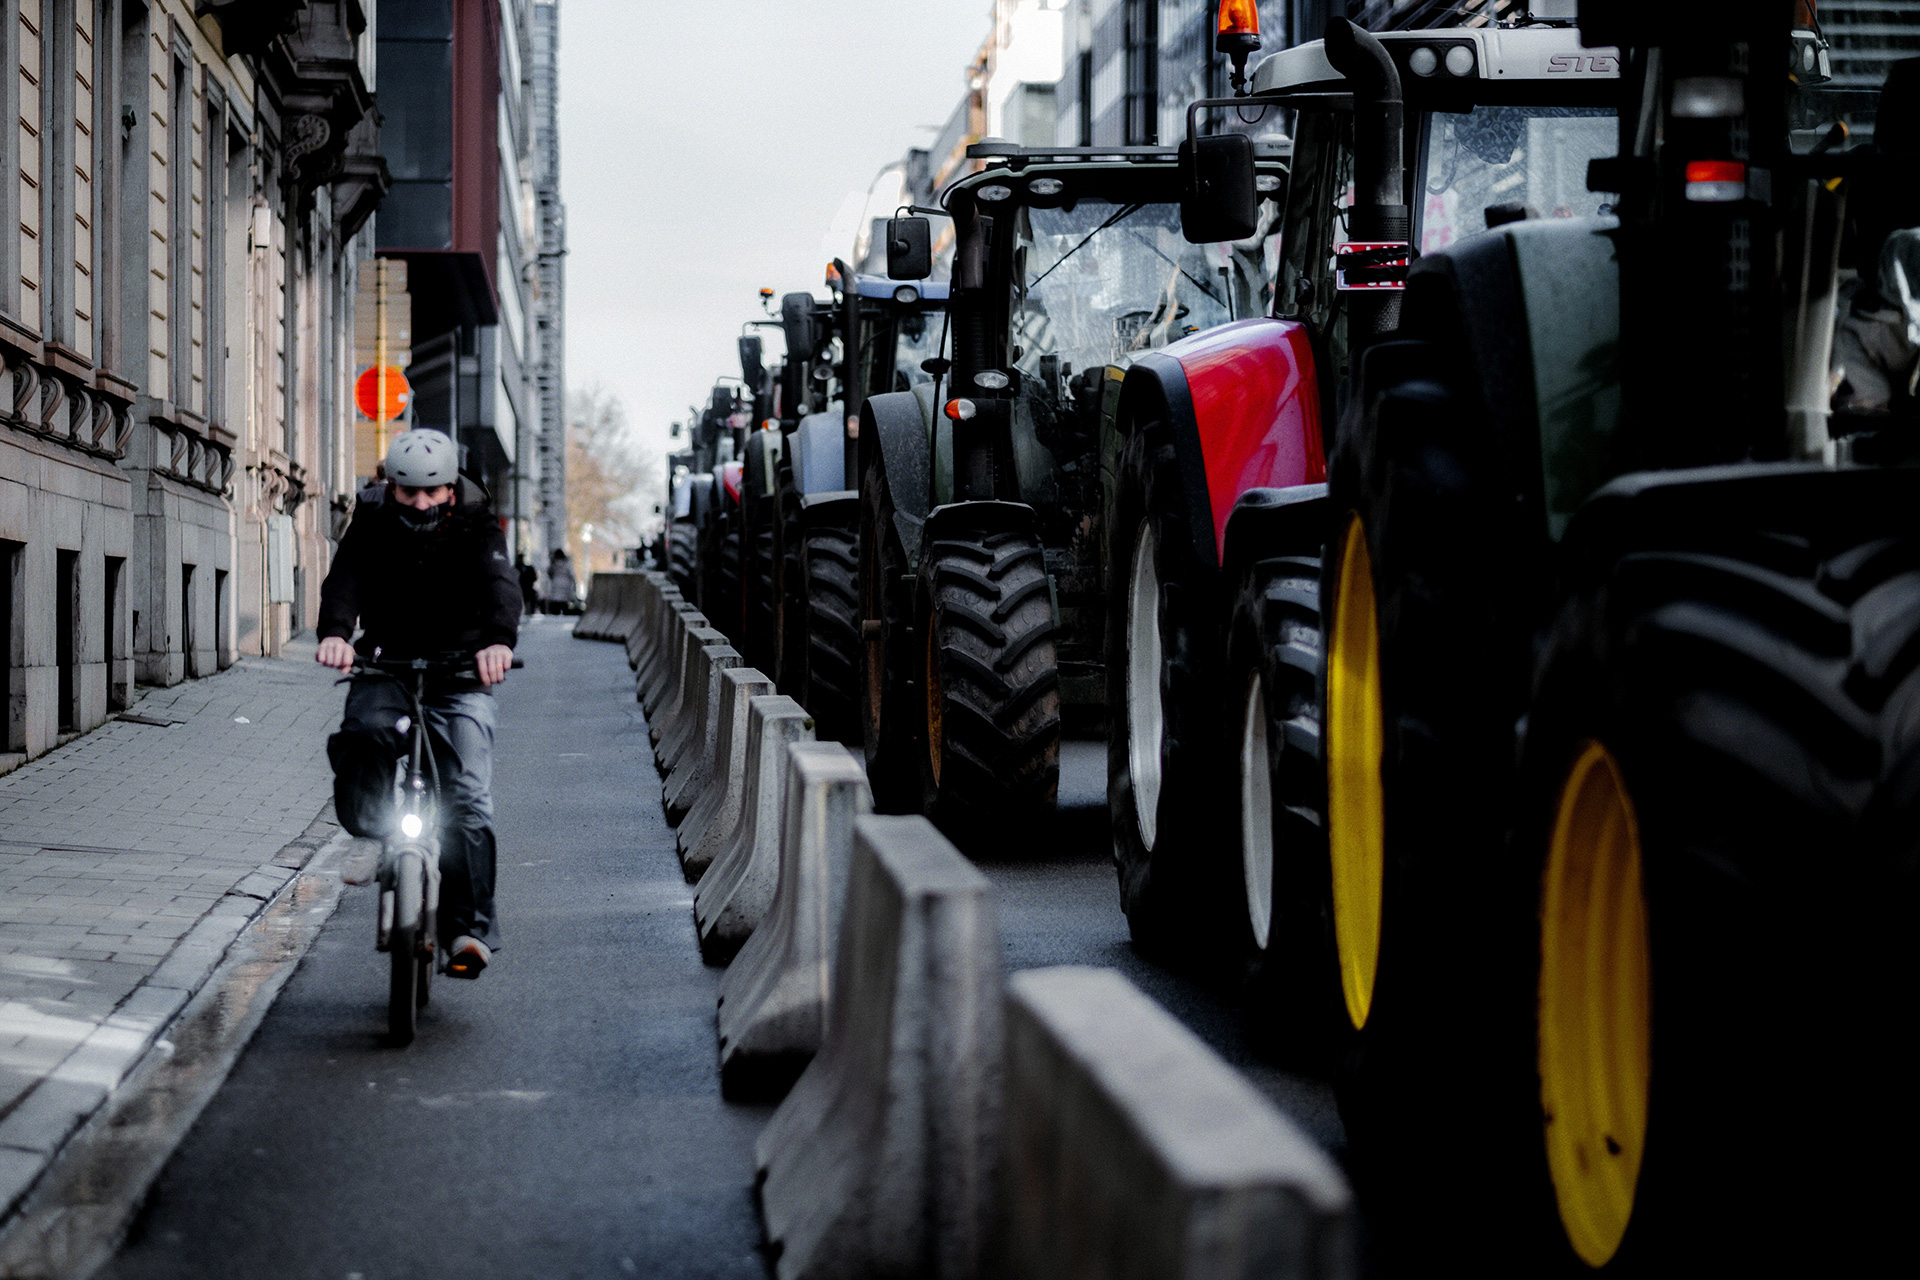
(1256, 811)
(1145, 720)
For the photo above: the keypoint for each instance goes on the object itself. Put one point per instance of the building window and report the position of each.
(115, 641)
(217, 349)
(66, 636)
(1140, 43)
(13, 702)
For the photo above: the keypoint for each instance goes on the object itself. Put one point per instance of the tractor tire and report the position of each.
(1285, 929)
(1722, 930)
(991, 682)
(729, 582)
(890, 720)
(760, 604)
(1169, 764)
(681, 543)
(789, 628)
(1429, 611)
(830, 676)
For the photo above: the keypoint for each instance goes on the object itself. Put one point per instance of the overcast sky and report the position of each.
(705, 149)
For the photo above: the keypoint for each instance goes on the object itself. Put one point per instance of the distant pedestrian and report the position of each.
(529, 585)
(374, 491)
(559, 582)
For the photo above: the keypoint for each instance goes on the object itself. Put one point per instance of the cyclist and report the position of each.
(425, 576)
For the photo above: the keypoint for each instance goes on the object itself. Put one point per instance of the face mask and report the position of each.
(422, 521)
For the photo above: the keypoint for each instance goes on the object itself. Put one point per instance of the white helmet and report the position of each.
(423, 459)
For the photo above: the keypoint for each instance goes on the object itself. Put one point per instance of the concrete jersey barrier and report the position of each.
(736, 890)
(710, 824)
(772, 1012)
(690, 775)
(599, 595)
(684, 755)
(660, 687)
(680, 715)
(1132, 1149)
(881, 1160)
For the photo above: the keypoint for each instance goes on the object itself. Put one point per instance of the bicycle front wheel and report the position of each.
(405, 989)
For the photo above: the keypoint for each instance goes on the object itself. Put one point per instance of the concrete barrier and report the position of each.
(661, 685)
(625, 608)
(689, 775)
(736, 888)
(881, 1160)
(679, 714)
(598, 607)
(710, 824)
(1131, 1149)
(643, 643)
(772, 1012)
(688, 740)
(645, 593)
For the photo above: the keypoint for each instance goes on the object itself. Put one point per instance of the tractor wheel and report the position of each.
(728, 582)
(1721, 934)
(1168, 763)
(830, 562)
(889, 718)
(680, 557)
(1428, 607)
(790, 625)
(1286, 926)
(990, 681)
(759, 606)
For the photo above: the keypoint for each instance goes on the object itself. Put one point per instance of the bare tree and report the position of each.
(607, 469)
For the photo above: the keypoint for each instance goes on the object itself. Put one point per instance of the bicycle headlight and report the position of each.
(410, 826)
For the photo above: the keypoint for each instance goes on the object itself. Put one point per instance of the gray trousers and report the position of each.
(460, 731)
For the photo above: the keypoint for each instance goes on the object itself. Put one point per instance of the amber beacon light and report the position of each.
(1238, 36)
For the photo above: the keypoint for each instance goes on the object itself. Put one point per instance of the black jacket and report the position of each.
(422, 594)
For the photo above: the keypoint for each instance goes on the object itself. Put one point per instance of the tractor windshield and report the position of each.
(1101, 282)
(1534, 157)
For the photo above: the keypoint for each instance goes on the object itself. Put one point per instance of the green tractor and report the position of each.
(985, 492)
(1621, 626)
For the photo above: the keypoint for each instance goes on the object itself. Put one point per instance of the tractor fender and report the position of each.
(699, 493)
(896, 421)
(1243, 403)
(839, 508)
(974, 520)
(1268, 522)
(819, 452)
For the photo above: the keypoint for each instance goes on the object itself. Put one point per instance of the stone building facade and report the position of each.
(190, 182)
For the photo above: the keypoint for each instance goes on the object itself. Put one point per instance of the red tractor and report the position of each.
(1219, 512)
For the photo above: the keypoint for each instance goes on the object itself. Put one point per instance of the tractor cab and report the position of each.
(1500, 125)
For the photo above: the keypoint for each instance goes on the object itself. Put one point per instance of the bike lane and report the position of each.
(559, 1117)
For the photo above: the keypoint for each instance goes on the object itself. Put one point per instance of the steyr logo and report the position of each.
(1604, 64)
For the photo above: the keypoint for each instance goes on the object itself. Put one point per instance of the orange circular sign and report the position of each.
(382, 403)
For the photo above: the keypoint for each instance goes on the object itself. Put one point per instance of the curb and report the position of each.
(54, 1130)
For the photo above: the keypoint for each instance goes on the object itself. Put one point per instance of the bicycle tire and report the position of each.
(402, 987)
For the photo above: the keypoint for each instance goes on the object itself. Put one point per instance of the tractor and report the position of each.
(873, 339)
(984, 492)
(1609, 918)
(1216, 606)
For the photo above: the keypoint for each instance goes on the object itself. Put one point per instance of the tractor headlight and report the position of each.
(1423, 61)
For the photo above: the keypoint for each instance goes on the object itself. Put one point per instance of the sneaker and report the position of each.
(467, 957)
(362, 861)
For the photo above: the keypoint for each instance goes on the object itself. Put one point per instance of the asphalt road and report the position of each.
(562, 1117)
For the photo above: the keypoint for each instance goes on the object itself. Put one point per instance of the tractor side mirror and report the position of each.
(750, 368)
(796, 321)
(1217, 196)
(673, 431)
(909, 248)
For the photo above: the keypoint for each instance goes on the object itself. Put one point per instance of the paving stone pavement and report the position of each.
(129, 860)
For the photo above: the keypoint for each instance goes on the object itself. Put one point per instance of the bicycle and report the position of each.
(409, 873)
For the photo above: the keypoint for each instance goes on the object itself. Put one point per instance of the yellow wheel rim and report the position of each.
(1595, 1003)
(1356, 737)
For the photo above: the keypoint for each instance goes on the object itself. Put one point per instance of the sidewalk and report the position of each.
(129, 860)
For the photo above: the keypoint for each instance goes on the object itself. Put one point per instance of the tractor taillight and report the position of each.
(1716, 181)
(960, 410)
